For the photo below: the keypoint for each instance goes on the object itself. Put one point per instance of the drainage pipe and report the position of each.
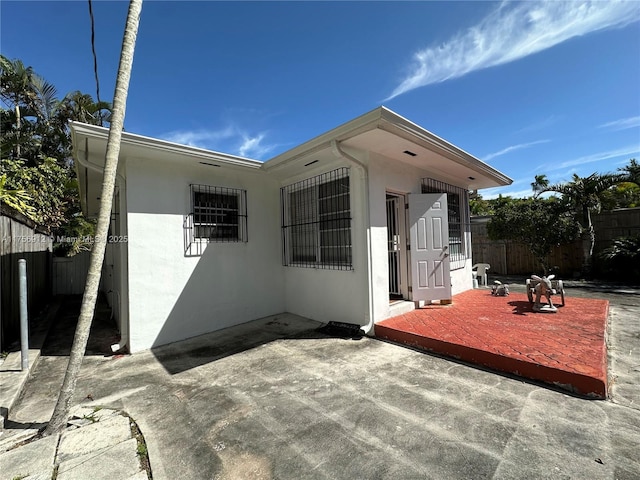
(338, 152)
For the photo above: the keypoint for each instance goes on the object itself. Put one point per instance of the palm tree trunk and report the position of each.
(588, 243)
(61, 412)
(18, 126)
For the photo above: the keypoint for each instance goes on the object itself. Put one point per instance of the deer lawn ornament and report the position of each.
(542, 287)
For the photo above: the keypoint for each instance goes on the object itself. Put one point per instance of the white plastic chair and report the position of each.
(479, 270)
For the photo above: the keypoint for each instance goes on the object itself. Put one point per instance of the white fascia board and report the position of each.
(79, 129)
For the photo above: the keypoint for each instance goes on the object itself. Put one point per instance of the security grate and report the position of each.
(316, 222)
(218, 214)
(458, 213)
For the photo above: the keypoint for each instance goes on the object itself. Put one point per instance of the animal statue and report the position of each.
(544, 289)
(499, 289)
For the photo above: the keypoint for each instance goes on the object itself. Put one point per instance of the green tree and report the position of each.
(478, 205)
(32, 128)
(583, 196)
(631, 171)
(623, 195)
(36, 149)
(621, 260)
(538, 223)
(15, 198)
(61, 411)
(44, 184)
(81, 107)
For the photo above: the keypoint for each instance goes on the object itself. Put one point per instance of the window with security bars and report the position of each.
(316, 222)
(219, 214)
(459, 222)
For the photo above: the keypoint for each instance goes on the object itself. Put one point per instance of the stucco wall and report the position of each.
(388, 175)
(173, 296)
(114, 277)
(335, 295)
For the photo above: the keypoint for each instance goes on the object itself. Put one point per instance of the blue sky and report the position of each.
(528, 87)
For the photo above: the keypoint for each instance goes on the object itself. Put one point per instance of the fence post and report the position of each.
(24, 319)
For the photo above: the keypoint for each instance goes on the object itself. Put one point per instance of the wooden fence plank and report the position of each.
(509, 258)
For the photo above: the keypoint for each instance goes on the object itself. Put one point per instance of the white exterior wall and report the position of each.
(334, 295)
(172, 296)
(114, 276)
(388, 175)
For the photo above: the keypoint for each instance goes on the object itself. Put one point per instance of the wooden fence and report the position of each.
(70, 274)
(510, 258)
(20, 238)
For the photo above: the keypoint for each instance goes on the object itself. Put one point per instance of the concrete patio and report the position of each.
(275, 399)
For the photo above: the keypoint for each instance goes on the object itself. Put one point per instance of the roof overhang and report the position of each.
(384, 132)
(90, 147)
(380, 131)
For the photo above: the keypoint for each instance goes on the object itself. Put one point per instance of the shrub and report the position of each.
(622, 259)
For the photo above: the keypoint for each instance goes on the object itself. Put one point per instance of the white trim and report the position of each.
(101, 133)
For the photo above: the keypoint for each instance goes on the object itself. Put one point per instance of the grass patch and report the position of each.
(141, 449)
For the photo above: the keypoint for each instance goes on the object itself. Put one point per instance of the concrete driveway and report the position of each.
(276, 400)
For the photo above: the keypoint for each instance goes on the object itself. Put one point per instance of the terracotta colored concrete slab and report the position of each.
(566, 349)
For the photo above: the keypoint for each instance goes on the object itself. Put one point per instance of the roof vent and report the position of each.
(311, 163)
(410, 153)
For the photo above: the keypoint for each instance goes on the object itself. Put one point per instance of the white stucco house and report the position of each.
(355, 225)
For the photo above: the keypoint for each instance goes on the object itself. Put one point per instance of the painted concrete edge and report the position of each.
(585, 385)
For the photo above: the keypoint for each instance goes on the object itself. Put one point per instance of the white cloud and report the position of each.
(627, 152)
(199, 138)
(253, 147)
(512, 148)
(513, 31)
(491, 193)
(230, 139)
(541, 124)
(622, 124)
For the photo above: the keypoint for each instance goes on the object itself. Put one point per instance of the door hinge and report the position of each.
(406, 206)
(408, 248)
(410, 289)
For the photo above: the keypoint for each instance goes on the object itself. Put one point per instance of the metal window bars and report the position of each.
(316, 222)
(458, 214)
(218, 214)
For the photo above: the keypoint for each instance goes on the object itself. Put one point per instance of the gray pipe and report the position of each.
(24, 318)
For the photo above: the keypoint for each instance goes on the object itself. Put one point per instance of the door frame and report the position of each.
(403, 233)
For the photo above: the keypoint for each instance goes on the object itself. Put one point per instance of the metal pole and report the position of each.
(24, 319)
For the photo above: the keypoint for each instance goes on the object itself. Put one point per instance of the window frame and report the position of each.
(316, 230)
(231, 215)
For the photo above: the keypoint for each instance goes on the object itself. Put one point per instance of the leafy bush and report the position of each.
(621, 260)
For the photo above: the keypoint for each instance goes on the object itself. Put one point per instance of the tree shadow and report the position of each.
(103, 334)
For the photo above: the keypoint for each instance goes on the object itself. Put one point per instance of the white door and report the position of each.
(429, 247)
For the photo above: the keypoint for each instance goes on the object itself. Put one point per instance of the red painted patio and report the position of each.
(566, 349)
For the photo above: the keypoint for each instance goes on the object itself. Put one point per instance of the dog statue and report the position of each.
(499, 289)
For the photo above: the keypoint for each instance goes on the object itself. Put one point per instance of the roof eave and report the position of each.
(134, 140)
(394, 123)
(385, 119)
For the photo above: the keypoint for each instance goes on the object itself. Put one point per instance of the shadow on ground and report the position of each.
(104, 332)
